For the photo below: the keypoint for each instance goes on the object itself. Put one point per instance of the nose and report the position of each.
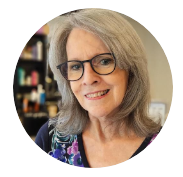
(89, 77)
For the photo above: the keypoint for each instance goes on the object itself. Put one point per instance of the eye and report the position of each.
(106, 61)
(75, 67)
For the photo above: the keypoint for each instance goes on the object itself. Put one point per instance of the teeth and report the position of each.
(96, 94)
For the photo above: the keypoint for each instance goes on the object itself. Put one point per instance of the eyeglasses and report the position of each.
(102, 64)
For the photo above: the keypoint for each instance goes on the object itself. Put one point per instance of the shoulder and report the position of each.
(152, 138)
(145, 143)
(42, 137)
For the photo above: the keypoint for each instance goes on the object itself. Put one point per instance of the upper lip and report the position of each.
(96, 92)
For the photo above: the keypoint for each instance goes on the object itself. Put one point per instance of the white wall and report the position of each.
(159, 69)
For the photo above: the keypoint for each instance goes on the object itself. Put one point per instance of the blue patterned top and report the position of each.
(65, 149)
(69, 149)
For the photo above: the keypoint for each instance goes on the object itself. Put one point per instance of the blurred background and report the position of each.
(35, 90)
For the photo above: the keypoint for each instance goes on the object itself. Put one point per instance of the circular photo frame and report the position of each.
(111, 98)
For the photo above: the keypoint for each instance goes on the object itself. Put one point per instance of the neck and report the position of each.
(100, 129)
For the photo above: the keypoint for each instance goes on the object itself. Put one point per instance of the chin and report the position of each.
(98, 114)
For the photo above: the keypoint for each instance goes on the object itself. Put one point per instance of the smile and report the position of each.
(97, 94)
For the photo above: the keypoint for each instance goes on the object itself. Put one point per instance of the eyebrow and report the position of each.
(77, 59)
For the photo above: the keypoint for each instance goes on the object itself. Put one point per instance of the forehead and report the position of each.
(84, 44)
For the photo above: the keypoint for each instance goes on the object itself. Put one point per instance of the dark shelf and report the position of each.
(53, 97)
(36, 115)
(39, 35)
(24, 89)
(32, 125)
(30, 61)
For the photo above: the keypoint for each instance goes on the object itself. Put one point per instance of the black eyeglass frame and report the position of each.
(90, 61)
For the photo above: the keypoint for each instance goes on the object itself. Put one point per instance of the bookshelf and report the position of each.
(29, 84)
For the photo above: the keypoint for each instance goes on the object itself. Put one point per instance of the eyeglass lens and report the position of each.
(101, 64)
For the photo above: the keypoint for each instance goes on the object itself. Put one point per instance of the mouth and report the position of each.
(97, 94)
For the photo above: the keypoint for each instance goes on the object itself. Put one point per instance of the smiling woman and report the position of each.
(85, 45)
(100, 66)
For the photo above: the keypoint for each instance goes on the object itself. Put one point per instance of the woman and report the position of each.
(100, 66)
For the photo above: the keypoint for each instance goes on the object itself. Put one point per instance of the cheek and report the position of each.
(76, 90)
(119, 94)
(120, 90)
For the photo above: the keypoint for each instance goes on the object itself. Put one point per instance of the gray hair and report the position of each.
(122, 40)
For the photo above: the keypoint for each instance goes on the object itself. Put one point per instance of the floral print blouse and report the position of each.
(65, 149)
(69, 149)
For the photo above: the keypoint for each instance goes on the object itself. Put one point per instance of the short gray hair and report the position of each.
(122, 40)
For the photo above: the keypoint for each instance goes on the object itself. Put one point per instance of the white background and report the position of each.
(20, 20)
